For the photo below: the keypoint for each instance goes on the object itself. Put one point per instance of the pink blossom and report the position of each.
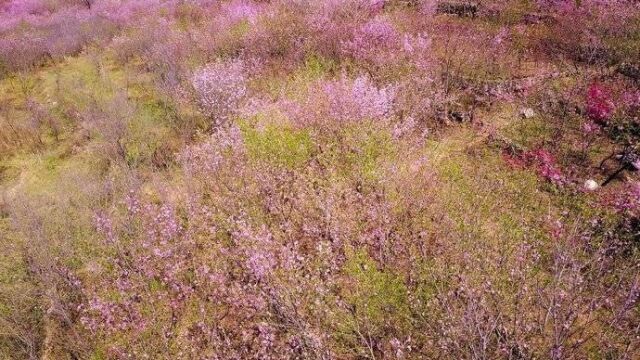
(220, 87)
(259, 248)
(590, 128)
(629, 200)
(632, 99)
(358, 100)
(371, 39)
(241, 10)
(600, 107)
(104, 225)
(545, 163)
(502, 35)
(341, 101)
(206, 158)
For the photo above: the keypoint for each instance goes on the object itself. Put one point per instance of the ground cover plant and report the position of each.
(326, 179)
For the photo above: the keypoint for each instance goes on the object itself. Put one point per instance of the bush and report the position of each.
(342, 101)
(220, 89)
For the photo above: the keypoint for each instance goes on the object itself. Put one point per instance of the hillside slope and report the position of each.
(330, 179)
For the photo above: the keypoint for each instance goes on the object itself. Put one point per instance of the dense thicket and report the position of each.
(326, 179)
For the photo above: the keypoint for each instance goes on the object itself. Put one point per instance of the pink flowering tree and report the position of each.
(220, 89)
(373, 41)
(343, 101)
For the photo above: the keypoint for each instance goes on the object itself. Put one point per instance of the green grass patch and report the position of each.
(376, 299)
(481, 196)
(375, 294)
(278, 145)
(358, 151)
(526, 133)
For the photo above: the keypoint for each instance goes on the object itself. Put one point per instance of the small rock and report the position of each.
(527, 113)
(591, 185)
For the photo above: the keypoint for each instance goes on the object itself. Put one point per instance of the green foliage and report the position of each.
(315, 67)
(525, 133)
(278, 145)
(240, 29)
(483, 197)
(374, 294)
(297, 84)
(148, 131)
(358, 151)
(513, 12)
(374, 298)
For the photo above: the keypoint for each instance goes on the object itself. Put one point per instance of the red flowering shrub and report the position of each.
(546, 166)
(542, 161)
(600, 106)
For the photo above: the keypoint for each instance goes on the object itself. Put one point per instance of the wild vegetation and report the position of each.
(319, 179)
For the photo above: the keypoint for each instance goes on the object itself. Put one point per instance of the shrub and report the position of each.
(220, 88)
(17, 54)
(600, 106)
(373, 39)
(343, 101)
(207, 158)
(109, 124)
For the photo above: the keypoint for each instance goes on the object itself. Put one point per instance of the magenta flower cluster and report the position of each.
(600, 106)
